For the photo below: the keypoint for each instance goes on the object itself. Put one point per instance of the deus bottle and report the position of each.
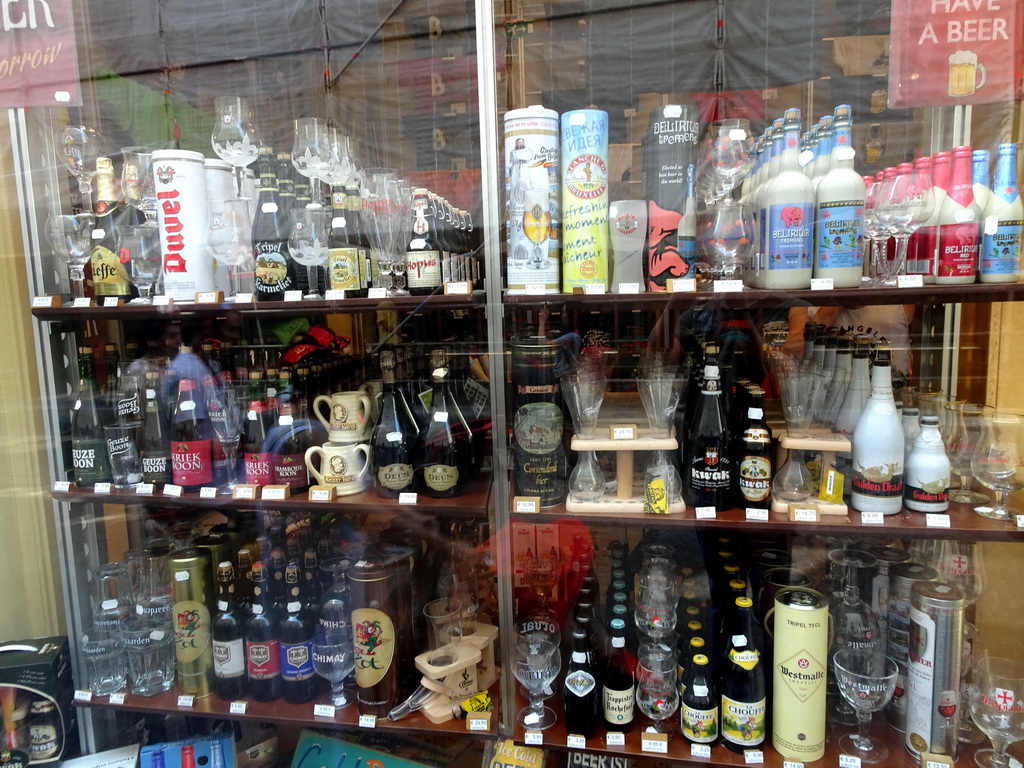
(228, 638)
(743, 688)
(444, 453)
(262, 642)
(580, 693)
(88, 447)
(394, 437)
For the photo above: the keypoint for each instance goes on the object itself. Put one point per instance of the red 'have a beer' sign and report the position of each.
(947, 52)
(38, 59)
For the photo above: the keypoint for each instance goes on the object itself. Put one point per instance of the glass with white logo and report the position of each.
(657, 691)
(997, 708)
(867, 680)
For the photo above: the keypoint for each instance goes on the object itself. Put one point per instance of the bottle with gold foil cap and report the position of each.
(191, 575)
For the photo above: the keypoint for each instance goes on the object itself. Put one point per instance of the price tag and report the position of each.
(706, 513)
(367, 721)
(238, 707)
(144, 489)
(849, 761)
(792, 764)
(334, 294)
(62, 96)
(805, 515)
(629, 287)
(910, 281)
(117, 698)
(535, 289)
(623, 433)
(101, 488)
(441, 417)
(594, 289)
(407, 498)
(1020, 521)
(821, 284)
(172, 490)
(111, 301)
(575, 742)
(208, 492)
(937, 521)
(615, 739)
(478, 724)
(654, 742)
(700, 750)
(319, 494)
(293, 295)
(524, 506)
(872, 518)
(243, 298)
(206, 297)
(62, 486)
(460, 287)
(82, 303)
(323, 710)
(42, 301)
(162, 301)
(535, 738)
(682, 285)
(186, 701)
(757, 514)
(728, 286)
(377, 293)
(273, 494)
(753, 756)
(83, 695)
(244, 492)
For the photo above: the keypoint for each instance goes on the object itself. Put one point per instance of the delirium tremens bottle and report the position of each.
(1003, 223)
(838, 243)
(787, 216)
(959, 225)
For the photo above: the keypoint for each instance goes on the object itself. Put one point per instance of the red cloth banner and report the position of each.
(948, 52)
(38, 57)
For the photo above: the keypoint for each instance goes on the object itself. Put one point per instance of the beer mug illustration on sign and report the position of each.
(966, 73)
(349, 415)
(341, 467)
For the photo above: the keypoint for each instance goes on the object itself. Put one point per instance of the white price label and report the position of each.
(534, 738)
(792, 764)
(83, 695)
(805, 515)
(408, 497)
(623, 433)
(706, 513)
(441, 416)
(594, 289)
(757, 514)
(737, 134)
(323, 710)
(477, 724)
(293, 295)
(144, 489)
(186, 701)
(62, 486)
(287, 420)
(728, 286)
(648, 744)
(629, 287)
(849, 761)
(110, 301)
(821, 284)
(208, 492)
(269, 208)
(117, 698)
(872, 518)
(458, 287)
(910, 281)
(42, 301)
(161, 301)
(334, 294)
(1020, 521)
(753, 756)
(700, 750)
(206, 297)
(101, 488)
(575, 742)
(170, 489)
(377, 293)
(273, 494)
(243, 298)
(188, 405)
(106, 605)
(181, 575)
(393, 437)
(533, 289)
(1014, 762)
(937, 521)
(238, 707)
(684, 285)
(367, 721)
(615, 739)
(245, 492)
(319, 494)
(81, 303)
(526, 505)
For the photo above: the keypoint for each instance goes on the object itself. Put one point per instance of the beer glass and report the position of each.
(996, 461)
(234, 136)
(224, 403)
(997, 709)
(78, 147)
(70, 236)
(229, 240)
(727, 157)
(143, 246)
(537, 224)
(334, 662)
(903, 204)
(866, 679)
(657, 692)
(379, 191)
(445, 625)
(123, 450)
(150, 657)
(536, 664)
(963, 428)
(308, 243)
(137, 182)
(312, 152)
(104, 664)
(660, 393)
(726, 236)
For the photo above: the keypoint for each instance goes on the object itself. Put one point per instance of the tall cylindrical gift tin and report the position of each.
(933, 676)
(220, 186)
(179, 178)
(531, 165)
(800, 626)
(584, 198)
(192, 582)
(887, 558)
(902, 578)
(376, 623)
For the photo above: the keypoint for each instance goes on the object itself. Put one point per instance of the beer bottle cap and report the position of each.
(744, 602)
(700, 659)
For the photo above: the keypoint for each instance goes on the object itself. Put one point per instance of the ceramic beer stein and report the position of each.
(341, 467)
(350, 415)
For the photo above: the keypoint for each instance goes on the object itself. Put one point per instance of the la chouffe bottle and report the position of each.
(1003, 222)
(743, 689)
(878, 449)
(698, 706)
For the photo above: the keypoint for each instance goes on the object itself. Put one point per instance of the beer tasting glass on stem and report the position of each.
(379, 190)
(70, 237)
(726, 236)
(726, 158)
(229, 240)
(402, 223)
(224, 404)
(234, 136)
(866, 679)
(655, 612)
(963, 428)
(996, 461)
(137, 181)
(660, 393)
(997, 708)
(308, 243)
(657, 693)
(143, 246)
(536, 664)
(334, 661)
(313, 152)
(78, 148)
(542, 574)
(904, 203)
(853, 620)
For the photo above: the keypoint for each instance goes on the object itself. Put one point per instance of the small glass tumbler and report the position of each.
(150, 655)
(123, 449)
(104, 664)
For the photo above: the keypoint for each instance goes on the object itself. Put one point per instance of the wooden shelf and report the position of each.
(471, 504)
(280, 711)
(965, 524)
(407, 304)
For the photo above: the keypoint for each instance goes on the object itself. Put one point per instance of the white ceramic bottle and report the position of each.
(926, 486)
(1003, 223)
(839, 211)
(878, 445)
(787, 212)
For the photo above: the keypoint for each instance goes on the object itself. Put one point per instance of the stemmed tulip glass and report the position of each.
(143, 246)
(996, 461)
(234, 136)
(964, 422)
(541, 574)
(657, 692)
(78, 148)
(224, 404)
(726, 237)
(334, 660)
(875, 233)
(996, 707)
(340, 168)
(70, 237)
(904, 203)
(313, 151)
(379, 192)
(727, 157)
(137, 181)
(867, 680)
(655, 612)
(308, 243)
(229, 238)
(536, 666)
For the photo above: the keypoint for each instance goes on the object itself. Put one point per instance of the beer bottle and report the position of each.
(787, 215)
(296, 635)
(926, 487)
(109, 273)
(878, 449)
(368, 275)
(1004, 222)
(290, 440)
(618, 685)
(254, 449)
(275, 270)
(743, 687)
(706, 461)
(580, 691)
(755, 463)
(444, 455)
(88, 446)
(394, 437)
(310, 584)
(344, 268)
(698, 710)
(959, 225)
(228, 638)
(262, 642)
(424, 251)
(191, 449)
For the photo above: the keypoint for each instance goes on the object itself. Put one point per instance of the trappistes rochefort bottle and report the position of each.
(743, 689)
(275, 270)
(394, 437)
(444, 453)
(706, 460)
(88, 446)
(618, 688)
